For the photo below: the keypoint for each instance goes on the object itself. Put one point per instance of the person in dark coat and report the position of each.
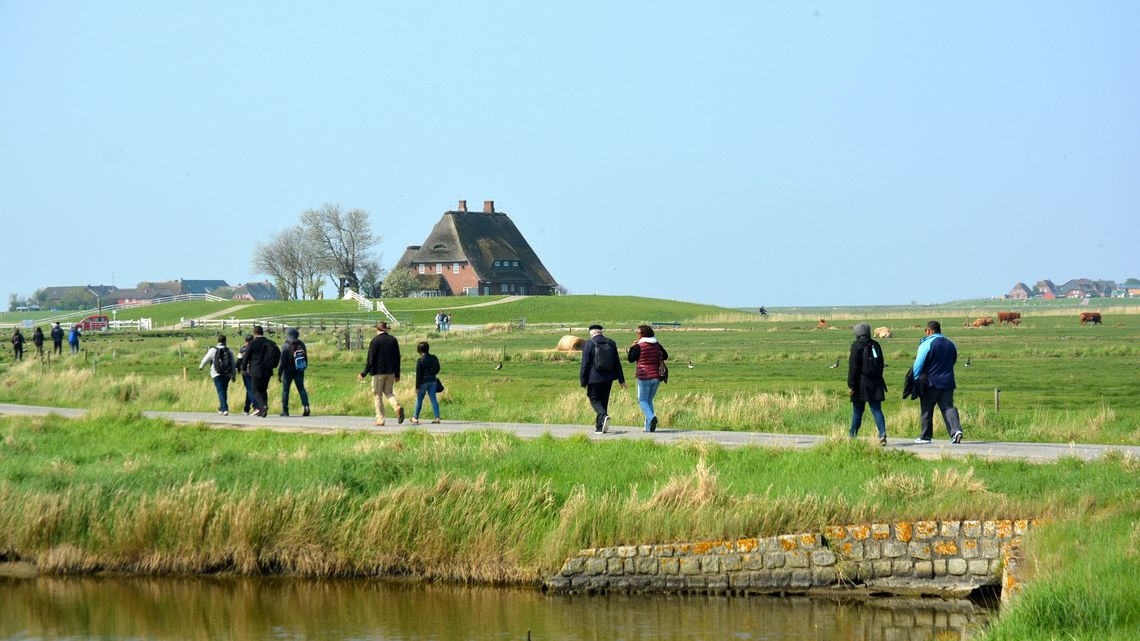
(599, 380)
(38, 341)
(384, 365)
(288, 374)
(247, 382)
(866, 386)
(935, 361)
(17, 344)
(260, 358)
(57, 339)
(427, 382)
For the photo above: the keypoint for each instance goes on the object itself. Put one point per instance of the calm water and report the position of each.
(118, 609)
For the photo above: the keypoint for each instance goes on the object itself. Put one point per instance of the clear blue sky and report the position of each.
(776, 153)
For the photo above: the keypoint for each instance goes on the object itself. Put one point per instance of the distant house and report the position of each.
(1046, 289)
(131, 295)
(181, 286)
(1020, 291)
(256, 291)
(1133, 290)
(1086, 288)
(477, 253)
(77, 296)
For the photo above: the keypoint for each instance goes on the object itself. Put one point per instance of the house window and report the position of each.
(421, 267)
(514, 263)
(439, 268)
(498, 263)
(454, 268)
(504, 288)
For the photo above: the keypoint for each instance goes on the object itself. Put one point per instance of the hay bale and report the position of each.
(570, 343)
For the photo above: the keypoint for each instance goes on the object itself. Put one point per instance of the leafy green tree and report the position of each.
(13, 302)
(399, 283)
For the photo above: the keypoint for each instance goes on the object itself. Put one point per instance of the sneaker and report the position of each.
(598, 430)
(263, 413)
(922, 441)
(606, 424)
(399, 415)
(435, 422)
(415, 421)
(957, 437)
(653, 424)
(306, 412)
(882, 440)
(284, 414)
(225, 412)
(246, 412)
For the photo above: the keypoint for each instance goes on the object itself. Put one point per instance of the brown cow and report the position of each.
(1008, 317)
(822, 324)
(1090, 317)
(982, 322)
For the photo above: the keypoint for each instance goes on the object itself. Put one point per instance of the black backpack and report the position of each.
(605, 357)
(272, 355)
(223, 361)
(873, 360)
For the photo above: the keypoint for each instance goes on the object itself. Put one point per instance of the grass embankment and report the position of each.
(1059, 381)
(129, 494)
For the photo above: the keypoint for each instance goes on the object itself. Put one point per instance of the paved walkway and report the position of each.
(1031, 452)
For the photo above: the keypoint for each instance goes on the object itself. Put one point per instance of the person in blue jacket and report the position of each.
(935, 362)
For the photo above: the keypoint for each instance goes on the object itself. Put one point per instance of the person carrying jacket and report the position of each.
(650, 357)
(260, 358)
(865, 386)
(384, 365)
(287, 372)
(221, 375)
(935, 358)
(57, 339)
(598, 376)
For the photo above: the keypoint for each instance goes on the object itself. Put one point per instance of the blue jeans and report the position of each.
(876, 411)
(646, 390)
(287, 379)
(429, 389)
(248, 383)
(222, 384)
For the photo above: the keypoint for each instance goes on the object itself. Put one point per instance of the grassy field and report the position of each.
(1059, 381)
(117, 492)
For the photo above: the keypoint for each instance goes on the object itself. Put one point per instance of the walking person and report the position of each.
(294, 362)
(439, 322)
(650, 371)
(222, 370)
(427, 381)
(935, 362)
(38, 341)
(57, 339)
(260, 359)
(600, 368)
(384, 365)
(865, 384)
(73, 338)
(246, 381)
(17, 345)
(447, 322)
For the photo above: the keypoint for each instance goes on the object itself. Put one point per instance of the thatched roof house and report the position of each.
(478, 253)
(1020, 291)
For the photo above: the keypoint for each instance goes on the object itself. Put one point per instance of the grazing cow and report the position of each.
(882, 332)
(1008, 317)
(822, 324)
(1090, 317)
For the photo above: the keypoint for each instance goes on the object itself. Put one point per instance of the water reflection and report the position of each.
(204, 609)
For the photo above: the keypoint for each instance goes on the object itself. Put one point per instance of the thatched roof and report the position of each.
(480, 239)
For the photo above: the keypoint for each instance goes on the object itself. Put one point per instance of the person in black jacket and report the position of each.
(600, 368)
(288, 373)
(57, 339)
(38, 341)
(427, 371)
(261, 356)
(384, 365)
(17, 344)
(865, 384)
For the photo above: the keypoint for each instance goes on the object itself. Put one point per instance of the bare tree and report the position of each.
(345, 240)
(295, 261)
(274, 259)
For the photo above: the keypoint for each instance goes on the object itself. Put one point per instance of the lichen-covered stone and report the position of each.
(1020, 527)
(717, 582)
(628, 566)
(924, 569)
(904, 531)
(670, 566)
(858, 532)
(740, 580)
(951, 529)
(614, 567)
(880, 531)
(865, 570)
(925, 530)
(990, 549)
(801, 578)
(823, 576)
(918, 550)
(835, 533)
(731, 562)
(787, 542)
(690, 565)
(710, 564)
(796, 559)
(980, 567)
(753, 561)
(626, 551)
(946, 548)
(940, 567)
(969, 548)
(956, 567)
(774, 560)
(747, 545)
(902, 567)
(1004, 529)
(809, 541)
(644, 550)
(647, 565)
(695, 581)
(971, 529)
(595, 566)
(781, 578)
(989, 529)
(574, 565)
(823, 558)
(662, 550)
(882, 568)
(849, 550)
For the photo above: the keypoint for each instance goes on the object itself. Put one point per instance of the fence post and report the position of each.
(997, 400)
(185, 374)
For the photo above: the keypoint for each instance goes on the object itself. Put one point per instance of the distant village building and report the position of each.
(256, 292)
(1020, 291)
(77, 296)
(1086, 288)
(1045, 289)
(180, 286)
(470, 253)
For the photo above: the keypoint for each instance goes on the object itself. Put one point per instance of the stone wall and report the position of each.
(947, 558)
